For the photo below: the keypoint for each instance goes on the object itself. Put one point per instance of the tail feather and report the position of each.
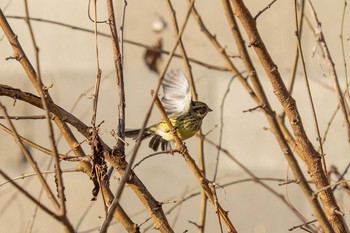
(155, 141)
(134, 133)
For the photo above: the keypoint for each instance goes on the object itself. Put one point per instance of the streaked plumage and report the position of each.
(185, 115)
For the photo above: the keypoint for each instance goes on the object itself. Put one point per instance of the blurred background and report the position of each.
(68, 63)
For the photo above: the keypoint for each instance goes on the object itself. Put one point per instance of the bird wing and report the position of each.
(177, 96)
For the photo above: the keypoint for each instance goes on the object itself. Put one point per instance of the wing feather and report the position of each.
(177, 96)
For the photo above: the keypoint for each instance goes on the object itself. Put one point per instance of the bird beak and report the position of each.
(209, 109)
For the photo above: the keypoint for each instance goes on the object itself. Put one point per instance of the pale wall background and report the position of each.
(68, 62)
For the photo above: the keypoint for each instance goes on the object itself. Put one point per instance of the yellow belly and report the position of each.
(183, 130)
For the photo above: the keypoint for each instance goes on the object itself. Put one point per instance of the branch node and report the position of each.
(253, 43)
(337, 211)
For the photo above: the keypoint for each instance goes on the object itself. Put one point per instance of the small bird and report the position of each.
(184, 114)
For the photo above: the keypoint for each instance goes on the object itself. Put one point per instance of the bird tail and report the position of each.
(134, 134)
(155, 141)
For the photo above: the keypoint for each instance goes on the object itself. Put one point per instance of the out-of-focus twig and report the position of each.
(131, 42)
(44, 208)
(329, 61)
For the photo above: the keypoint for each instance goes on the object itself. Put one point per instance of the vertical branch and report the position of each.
(222, 125)
(99, 72)
(319, 139)
(296, 54)
(343, 49)
(122, 29)
(311, 157)
(119, 78)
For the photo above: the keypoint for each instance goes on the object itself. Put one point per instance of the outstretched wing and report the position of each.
(177, 96)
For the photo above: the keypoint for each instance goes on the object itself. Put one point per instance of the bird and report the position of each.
(185, 114)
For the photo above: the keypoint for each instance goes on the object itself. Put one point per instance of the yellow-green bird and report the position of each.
(185, 114)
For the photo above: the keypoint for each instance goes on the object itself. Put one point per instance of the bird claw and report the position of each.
(183, 149)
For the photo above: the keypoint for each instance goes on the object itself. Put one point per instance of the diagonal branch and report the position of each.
(204, 183)
(311, 157)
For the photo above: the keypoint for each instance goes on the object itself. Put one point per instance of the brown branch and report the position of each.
(319, 139)
(295, 62)
(120, 147)
(311, 157)
(34, 117)
(204, 183)
(270, 114)
(119, 212)
(99, 71)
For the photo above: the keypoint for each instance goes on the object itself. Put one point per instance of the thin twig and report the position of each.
(256, 179)
(294, 66)
(131, 42)
(319, 139)
(31, 161)
(343, 49)
(221, 125)
(34, 117)
(264, 9)
(24, 176)
(20, 189)
(329, 61)
(99, 71)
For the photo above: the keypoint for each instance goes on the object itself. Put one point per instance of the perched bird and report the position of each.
(184, 114)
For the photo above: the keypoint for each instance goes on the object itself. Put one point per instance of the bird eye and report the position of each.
(202, 110)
